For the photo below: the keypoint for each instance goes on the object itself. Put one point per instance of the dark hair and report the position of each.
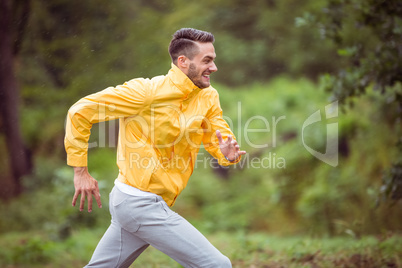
(184, 42)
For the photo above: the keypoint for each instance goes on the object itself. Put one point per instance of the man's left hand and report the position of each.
(229, 148)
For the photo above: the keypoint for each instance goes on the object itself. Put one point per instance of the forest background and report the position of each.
(312, 90)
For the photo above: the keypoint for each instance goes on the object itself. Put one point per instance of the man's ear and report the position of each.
(182, 62)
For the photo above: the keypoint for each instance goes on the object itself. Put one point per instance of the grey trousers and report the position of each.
(138, 222)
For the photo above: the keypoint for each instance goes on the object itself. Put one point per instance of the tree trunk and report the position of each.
(18, 157)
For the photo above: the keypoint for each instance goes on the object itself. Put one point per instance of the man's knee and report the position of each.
(215, 261)
(223, 262)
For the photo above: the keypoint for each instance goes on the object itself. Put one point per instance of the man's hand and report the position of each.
(86, 186)
(229, 148)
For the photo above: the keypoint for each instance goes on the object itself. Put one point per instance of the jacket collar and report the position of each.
(181, 80)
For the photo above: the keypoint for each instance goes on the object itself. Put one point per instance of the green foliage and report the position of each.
(34, 250)
(392, 183)
(367, 35)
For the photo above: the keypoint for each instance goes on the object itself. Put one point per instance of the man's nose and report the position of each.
(213, 67)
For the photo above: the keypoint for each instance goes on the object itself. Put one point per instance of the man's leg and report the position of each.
(138, 221)
(181, 241)
(155, 223)
(118, 247)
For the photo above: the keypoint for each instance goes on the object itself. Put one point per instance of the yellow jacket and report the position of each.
(163, 122)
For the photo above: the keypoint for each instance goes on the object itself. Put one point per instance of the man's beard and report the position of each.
(195, 77)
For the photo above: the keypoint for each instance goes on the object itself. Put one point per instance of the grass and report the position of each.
(30, 249)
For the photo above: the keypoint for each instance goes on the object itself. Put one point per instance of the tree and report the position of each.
(12, 22)
(368, 36)
(42, 43)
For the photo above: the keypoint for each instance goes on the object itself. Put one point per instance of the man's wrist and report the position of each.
(80, 170)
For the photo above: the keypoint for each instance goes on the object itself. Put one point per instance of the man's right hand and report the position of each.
(86, 186)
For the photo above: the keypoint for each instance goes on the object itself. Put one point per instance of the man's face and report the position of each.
(202, 65)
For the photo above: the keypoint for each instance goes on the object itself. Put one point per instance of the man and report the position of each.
(162, 122)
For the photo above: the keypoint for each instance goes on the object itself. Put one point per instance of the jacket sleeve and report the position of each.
(213, 122)
(109, 104)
